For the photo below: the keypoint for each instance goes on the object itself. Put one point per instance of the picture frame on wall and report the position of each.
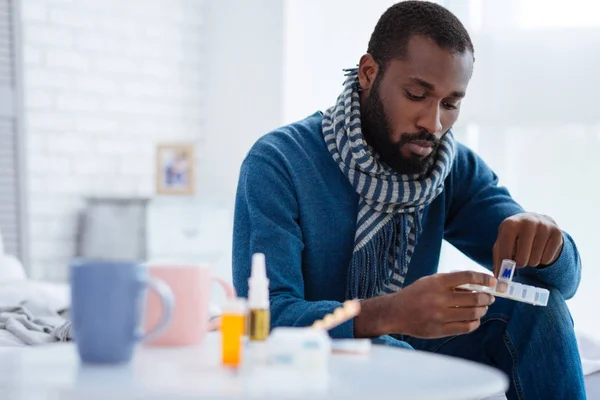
(175, 169)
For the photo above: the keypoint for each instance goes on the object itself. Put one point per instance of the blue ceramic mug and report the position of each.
(107, 308)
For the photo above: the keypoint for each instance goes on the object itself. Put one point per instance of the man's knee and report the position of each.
(555, 312)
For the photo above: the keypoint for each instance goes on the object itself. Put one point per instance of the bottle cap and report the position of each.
(258, 290)
(259, 268)
(235, 306)
(507, 270)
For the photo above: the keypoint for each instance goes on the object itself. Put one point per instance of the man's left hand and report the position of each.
(529, 239)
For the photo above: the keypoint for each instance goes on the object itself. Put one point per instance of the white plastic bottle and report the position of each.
(258, 300)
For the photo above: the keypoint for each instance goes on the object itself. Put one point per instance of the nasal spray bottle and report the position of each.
(258, 300)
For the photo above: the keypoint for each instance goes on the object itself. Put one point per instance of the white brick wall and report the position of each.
(105, 80)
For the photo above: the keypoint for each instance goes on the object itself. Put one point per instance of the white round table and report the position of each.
(54, 372)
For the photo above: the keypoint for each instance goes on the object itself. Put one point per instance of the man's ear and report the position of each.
(367, 71)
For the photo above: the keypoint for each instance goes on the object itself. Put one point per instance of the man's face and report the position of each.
(406, 109)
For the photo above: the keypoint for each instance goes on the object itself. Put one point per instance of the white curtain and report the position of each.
(531, 108)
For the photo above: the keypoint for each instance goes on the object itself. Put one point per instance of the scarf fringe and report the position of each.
(372, 266)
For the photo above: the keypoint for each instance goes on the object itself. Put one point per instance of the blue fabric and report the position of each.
(295, 205)
(390, 204)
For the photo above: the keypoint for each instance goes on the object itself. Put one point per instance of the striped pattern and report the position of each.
(390, 206)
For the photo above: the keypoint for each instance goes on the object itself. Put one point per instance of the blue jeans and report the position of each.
(535, 346)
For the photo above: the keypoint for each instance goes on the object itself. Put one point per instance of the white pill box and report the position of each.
(304, 349)
(514, 291)
(351, 346)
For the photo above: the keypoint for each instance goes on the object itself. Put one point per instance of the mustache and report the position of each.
(421, 136)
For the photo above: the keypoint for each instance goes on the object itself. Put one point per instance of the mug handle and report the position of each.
(168, 300)
(230, 293)
(229, 290)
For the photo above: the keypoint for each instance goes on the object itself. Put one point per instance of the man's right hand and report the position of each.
(431, 307)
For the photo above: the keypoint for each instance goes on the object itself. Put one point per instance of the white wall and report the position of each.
(244, 86)
(321, 39)
(105, 80)
(243, 67)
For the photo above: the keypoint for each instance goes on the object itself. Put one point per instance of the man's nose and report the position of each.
(430, 120)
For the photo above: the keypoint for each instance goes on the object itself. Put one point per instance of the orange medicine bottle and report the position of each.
(233, 321)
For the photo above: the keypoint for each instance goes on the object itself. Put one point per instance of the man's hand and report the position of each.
(431, 307)
(529, 239)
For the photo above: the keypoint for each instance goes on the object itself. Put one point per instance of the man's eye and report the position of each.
(449, 106)
(413, 96)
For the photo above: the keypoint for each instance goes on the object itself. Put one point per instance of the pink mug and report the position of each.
(191, 287)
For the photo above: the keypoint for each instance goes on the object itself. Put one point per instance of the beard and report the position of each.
(377, 131)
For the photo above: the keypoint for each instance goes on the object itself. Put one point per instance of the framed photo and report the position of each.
(175, 169)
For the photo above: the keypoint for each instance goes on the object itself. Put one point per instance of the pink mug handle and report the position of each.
(229, 290)
(230, 293)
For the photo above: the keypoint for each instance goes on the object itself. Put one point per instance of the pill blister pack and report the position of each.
(506, 288)
(514, 291)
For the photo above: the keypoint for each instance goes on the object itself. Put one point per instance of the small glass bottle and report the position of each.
(233, 321)
(259, 314)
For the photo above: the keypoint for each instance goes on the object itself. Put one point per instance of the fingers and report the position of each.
(496, 259)
(538, 246)
(460, 328)
(553, 248)
(460, 314)
(453, 279)
(470, 299)
(529, 239)
(524, 243)
(505, 244)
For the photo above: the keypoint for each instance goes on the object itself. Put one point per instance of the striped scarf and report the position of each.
(390, 206)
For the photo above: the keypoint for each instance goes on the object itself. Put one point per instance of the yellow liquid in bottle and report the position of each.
(232, 330)
(259, 324)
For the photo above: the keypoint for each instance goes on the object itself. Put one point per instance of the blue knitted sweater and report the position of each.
(294, 204)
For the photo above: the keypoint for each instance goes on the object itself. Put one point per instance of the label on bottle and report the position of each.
(260, 324)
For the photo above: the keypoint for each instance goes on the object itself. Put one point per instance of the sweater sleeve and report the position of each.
(267, 221)
(478, 205)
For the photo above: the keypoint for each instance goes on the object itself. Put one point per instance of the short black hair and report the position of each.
(406, 19)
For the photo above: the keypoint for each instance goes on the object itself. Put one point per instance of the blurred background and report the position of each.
(123, 123)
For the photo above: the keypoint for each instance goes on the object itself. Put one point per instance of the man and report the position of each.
(355, 202)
